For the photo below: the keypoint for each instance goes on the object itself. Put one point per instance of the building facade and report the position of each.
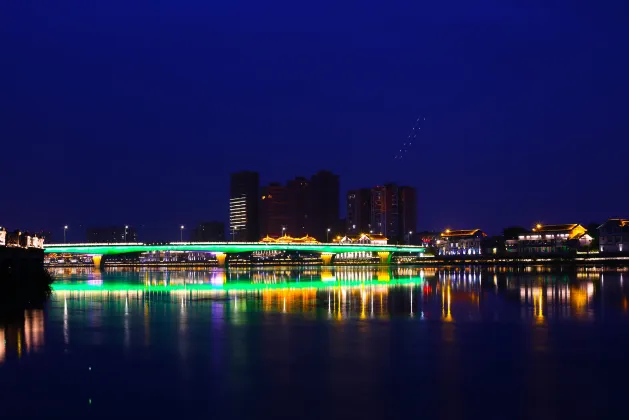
(302, 207)
(322, 204)
(112, 234)
(385, 214)
(427, 239)
(614, 236)
(243, 207)
(358, 211)
(408, 212)
(298, 190)
(461, 242)
(553, 239)
(392, 212)
(275, 210)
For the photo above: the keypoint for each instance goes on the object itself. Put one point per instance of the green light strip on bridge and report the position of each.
(236, 287)
(230, 249)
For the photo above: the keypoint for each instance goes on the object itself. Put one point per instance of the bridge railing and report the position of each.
(86, 244)
(97, 244)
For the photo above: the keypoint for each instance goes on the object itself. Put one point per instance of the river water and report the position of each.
(357, 342)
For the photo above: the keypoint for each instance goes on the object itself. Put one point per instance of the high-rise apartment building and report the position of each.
(283, 208)
(389, 209)
(297, 214)
(275, 210)
(385, 212)
(408, 211)
(243, 207)
(358, 209)
(323, 202)
(301, 207)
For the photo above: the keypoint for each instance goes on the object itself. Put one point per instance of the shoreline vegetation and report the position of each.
(25, 283)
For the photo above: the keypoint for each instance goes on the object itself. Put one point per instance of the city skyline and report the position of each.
(252, 209)
(403, 221)
(248, 196)
(109, 131)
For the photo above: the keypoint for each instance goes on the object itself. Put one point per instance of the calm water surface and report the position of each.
(354, 342)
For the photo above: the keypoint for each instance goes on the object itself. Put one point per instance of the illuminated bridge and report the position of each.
(221, 250)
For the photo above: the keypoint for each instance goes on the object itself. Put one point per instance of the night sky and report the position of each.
(136, 112)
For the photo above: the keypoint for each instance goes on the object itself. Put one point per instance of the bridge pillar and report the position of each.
(327, 274)
(326, 258)
(385, 257)
(221, 257)
(384, 274)
(98, 260)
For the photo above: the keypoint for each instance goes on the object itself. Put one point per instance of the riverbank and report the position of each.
(24, 281)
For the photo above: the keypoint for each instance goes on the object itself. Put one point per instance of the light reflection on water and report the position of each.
(300, 336)
(472, 294)
(24, 337)
(446, 294)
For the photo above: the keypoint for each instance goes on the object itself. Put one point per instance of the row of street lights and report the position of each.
(182, 227)
(126, 231)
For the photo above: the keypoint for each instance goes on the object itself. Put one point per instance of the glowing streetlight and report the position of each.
(327, 235)
(125, 232)
(65, 228)
(181, 234)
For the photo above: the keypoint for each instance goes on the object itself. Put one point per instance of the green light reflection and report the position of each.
(232, 286)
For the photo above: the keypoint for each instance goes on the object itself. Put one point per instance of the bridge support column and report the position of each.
(326, 258)
(385, 257)
(384, 273)
(221, 257)
(98, 261)
(327, 274)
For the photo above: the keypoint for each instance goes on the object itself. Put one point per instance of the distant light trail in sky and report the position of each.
(412, 138)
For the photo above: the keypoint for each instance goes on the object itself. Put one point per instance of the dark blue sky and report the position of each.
(116, 112)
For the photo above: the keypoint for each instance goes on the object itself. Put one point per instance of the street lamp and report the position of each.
(409, 236)
(65, 228)
(327, 236)
(181, 234)
(125, 232)
(283, 230)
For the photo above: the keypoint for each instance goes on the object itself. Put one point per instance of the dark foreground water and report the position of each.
(358, 342)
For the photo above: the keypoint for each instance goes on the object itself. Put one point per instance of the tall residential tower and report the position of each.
(358, 211)
(301, 207)
(243, 207)
(388, 209)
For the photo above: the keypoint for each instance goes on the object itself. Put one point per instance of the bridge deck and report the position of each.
(224, 247)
